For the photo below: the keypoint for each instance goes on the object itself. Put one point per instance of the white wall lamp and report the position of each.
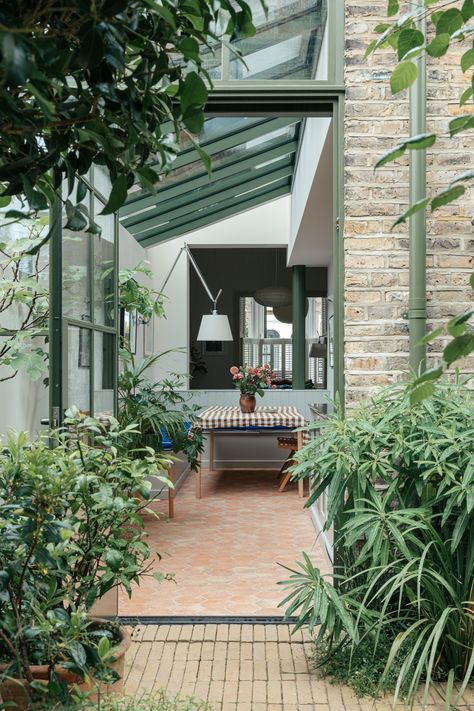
(214, 327)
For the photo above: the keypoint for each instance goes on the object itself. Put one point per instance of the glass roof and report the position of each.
(252, 162)
(287, 43)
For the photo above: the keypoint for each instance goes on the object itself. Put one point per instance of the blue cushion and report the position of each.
(166, 440)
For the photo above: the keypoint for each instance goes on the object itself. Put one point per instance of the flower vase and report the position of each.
(248, 403)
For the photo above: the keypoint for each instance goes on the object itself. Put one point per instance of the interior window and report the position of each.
(266, 339)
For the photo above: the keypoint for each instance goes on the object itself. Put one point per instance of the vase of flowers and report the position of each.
(251, 382)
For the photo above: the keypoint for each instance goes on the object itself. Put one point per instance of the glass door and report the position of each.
(83, 368)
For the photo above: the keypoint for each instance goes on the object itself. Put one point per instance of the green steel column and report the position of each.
(417, 295)
(55, 318)
(299, 331)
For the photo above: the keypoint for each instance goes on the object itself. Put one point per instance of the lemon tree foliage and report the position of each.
(449, 25)
(104, 82)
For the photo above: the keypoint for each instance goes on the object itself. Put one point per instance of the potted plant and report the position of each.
(251, 381)
(70, 531)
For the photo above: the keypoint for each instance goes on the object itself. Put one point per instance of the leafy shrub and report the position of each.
(400, 485)
(156, 408)
(70, 531)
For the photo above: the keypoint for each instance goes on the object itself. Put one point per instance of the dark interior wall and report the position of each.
(238, 272)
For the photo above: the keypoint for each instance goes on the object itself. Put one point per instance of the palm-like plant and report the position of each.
(157, 409)
(400, 485)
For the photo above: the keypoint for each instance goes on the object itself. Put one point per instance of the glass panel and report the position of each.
(29, 273)
(104, 359)
(79, 368)
(76, 275)
(242, 150)
(104, 269)
(287, 43)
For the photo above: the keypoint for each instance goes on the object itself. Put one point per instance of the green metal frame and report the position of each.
(192, 198)
(59, 325)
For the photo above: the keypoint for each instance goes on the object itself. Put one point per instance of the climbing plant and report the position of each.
(449, 27)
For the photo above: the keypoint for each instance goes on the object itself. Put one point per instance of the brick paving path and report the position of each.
(239, 668)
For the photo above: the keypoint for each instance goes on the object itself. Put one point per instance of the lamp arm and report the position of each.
(209, 293)
(186, 249)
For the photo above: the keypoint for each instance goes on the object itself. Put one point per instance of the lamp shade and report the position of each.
(319, 349)
(284, 314)
(215, 327)
(273, 296)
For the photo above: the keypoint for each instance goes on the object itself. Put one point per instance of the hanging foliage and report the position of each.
(110, 83)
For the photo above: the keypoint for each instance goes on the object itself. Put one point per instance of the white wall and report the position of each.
(267, 225)
(310, 241)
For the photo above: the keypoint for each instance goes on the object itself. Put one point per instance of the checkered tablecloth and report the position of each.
(219, 417)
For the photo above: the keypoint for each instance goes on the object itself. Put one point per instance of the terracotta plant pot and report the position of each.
(16, 690)
(248, 403)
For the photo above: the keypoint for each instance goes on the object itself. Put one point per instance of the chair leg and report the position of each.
(170, 495)
(284, 473)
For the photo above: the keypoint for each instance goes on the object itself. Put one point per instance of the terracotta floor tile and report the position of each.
(226, 548)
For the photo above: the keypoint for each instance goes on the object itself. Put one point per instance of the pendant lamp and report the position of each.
(214, 326)
(273, 295)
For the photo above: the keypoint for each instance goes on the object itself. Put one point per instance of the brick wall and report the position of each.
(376, 258)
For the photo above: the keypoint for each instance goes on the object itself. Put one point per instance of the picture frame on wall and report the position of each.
(213, 348)
(149, 337)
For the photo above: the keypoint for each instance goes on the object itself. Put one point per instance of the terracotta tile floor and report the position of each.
(224, 549)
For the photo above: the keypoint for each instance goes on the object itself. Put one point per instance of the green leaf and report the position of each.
(194, 92)
(403, 76)
(103, 647)
(447, 196)
(466, 95)
(423, 140)
(467, 60)
(391, 155)
(113, 559)
(433, 335)
(408, 39)
(439, 45)
(91, 51)
(461, 123)
(458, 348)
(117, 196)
(77, 653)
(421, 392)
(416, 207)
(393, 7)
(449, 21)
(467, 10)
(31, 362)
(81, 190)
(471, 281)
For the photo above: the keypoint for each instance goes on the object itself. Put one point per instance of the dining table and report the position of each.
(219, 419)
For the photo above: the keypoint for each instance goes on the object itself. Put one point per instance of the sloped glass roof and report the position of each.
(287, 44)
(253, 161)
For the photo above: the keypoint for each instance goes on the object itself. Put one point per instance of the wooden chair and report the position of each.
(284, 474)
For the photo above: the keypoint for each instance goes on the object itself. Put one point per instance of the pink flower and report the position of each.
(239, 376)
(273, 376)
(234, 370)
(268, 381)
(274, 387)
(249, 369)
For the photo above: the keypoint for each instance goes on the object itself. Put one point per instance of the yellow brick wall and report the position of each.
(376, 258)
